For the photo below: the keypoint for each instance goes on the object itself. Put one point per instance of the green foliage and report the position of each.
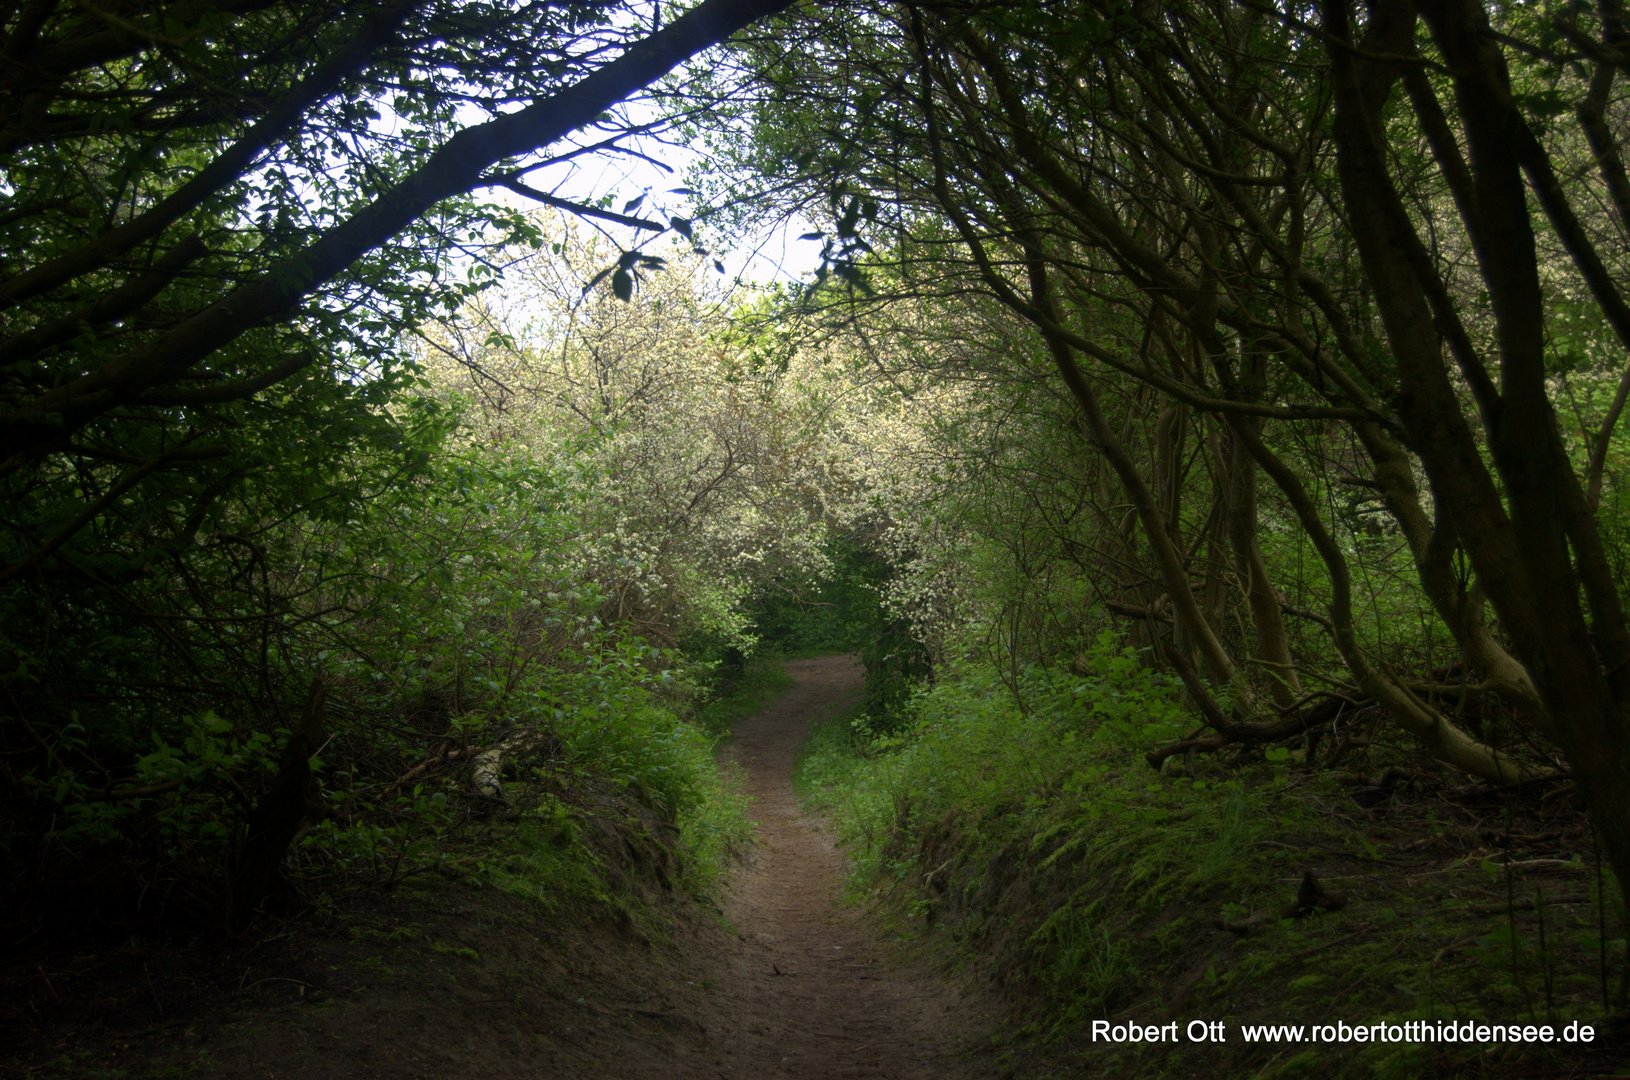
(221, 250)
(714, 828)
(735, 690)
(443, 615)
(895, 659)
(974, 743)
(844, 611)
(839, 613)
(896, 665)
(547, 864)
(1087, 968)
(1016, 823)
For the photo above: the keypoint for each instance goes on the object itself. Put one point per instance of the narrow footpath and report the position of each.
(446, 983)
(816, 995)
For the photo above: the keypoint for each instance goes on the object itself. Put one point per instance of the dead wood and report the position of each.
(1226, 731)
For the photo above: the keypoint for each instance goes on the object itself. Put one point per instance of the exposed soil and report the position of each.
(440, 980)
(817, 995)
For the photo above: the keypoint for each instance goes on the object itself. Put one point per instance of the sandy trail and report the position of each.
(815, 992)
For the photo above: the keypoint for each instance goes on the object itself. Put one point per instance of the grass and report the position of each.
(716, 828)
(831, 761)
(548, 857)
(1034, 843)
(741, 692)
(548, 863)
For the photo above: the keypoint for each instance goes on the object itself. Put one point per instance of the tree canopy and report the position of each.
(1286, 342)
(1333, 249)
(206, 201)
(220, 225)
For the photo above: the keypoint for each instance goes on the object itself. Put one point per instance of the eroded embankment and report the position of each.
(1024, 833)
(442, 979)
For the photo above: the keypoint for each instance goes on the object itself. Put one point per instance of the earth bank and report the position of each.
(439, 979)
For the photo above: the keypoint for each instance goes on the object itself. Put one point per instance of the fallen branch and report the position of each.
(421, 768)
(1486, 790)
(1128, 611)
(1526, 903)
(1310, 616)
(1546, 866)
(136, 792)
(486, 766)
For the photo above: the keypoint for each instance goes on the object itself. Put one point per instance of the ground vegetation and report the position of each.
(258, 593)
(1202, 425)
(1327, 279)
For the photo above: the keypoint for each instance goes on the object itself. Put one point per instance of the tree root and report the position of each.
(1226, 731)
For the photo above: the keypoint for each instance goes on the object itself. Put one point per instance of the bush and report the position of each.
(446, 618)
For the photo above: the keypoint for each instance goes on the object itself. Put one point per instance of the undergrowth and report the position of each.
(1014, 823)
(628, 789)
(550, 863)
(741, 690)
(549, 860)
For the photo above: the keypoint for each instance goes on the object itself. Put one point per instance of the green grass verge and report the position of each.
(548, 861)
(1015, 825)
(741, 693)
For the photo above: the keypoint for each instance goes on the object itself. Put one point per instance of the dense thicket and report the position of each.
(1334, 297)
(1290, 338)
(220, 226)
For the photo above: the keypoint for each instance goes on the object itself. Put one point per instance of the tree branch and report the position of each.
(457, 167)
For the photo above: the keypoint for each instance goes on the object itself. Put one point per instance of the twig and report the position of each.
(1526, 903)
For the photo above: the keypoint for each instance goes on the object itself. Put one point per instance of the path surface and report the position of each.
(817, 995)
(450, 984)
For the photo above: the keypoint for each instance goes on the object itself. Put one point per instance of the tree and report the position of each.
(219, 224)
(174, 248)
(717, 466)
(1260, 226)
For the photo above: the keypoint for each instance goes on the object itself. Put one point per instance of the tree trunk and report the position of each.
(1522, 533)
(1272, 644)
(1168, 558)
(277, 816)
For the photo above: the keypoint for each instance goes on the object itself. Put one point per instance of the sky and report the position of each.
(774, 254)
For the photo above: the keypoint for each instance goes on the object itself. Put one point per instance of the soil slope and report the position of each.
(439, 980)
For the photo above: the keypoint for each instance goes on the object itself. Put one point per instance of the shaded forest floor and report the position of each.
(440, 980)
(1033, 846)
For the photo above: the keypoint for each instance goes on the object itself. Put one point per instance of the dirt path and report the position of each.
(442, 982)
(816, 995)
